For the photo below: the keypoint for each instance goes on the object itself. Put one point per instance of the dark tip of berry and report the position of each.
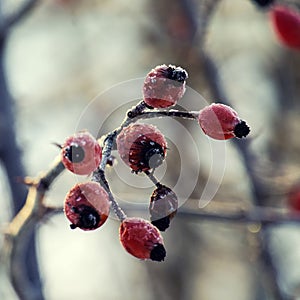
(154, 156)
(74, 154)
(73, 226)
(162, 224)
(145, 154)
(158, 253)
(88, 217)
(241, 129)
(176, 73)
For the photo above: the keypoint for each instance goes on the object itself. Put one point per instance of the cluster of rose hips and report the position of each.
(285, 22)
(143, 148)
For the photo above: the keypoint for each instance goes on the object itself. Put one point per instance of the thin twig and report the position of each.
(99, 176)
(152, 178)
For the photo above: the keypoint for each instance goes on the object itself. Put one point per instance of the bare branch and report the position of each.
(22, 226)
(11, 157)
(226, 214)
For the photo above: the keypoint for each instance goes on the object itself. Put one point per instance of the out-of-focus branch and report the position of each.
(9, 21)
(193, 52)
(259, 190)
(249, 159)
(229, 213)
(10, 153)
(22, 227)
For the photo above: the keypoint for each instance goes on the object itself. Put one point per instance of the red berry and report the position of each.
(221, 122)
(142, 147)
(164, 86)
(286, 25)
(163, 207)
(81, 153)
(141, 239)
(294, 198)
(87, 206)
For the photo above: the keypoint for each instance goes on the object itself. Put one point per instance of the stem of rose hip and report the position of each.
(99, 174)
(152, 178)
(191, 115)
(99, 177)
(107, 148)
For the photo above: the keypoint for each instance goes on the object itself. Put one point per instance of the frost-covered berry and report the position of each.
(285, 22)
(142, 239)
(81, 153)
(221, 122)
(87, 206)
(164, 86)
(142, 147)
(163, 207)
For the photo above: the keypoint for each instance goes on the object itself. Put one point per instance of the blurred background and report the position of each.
(68, 56)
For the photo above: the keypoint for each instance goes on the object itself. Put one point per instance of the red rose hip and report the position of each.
(142, 147)
(164, 86)
(293, 198)
(221, 122)
(87, 206)
(81, 153)
(142, 239)
(285, 22)
(163, 207)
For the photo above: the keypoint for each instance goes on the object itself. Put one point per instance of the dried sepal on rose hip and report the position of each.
(164, 86)
(221, 122)
(142, 147)
(87, 206)
(142, 239)
(285, 22)
(163, 207)
(81, 153)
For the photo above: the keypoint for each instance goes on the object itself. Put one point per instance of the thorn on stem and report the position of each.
(57, 145)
